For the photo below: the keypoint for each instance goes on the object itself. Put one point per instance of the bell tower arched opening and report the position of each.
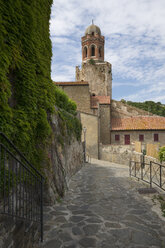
(93, 50)
(85, 52)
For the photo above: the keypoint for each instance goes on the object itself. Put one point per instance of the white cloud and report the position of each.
(135, 41)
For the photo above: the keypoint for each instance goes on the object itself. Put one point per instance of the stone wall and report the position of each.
(18, 234)
(92, 134)
(105, 135)
(99, 77)
(65, 159)
(123, 154)
(116, 154)
(121, 110)
(134, 136)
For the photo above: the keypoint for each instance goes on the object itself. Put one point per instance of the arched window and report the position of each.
(100, 51)
(92, 50)
(85, 52)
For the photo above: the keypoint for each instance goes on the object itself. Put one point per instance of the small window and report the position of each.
(141, 137)
(117, 137)
(93, 33)
(156, 137)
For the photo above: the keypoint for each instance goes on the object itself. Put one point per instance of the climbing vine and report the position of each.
(27, 94)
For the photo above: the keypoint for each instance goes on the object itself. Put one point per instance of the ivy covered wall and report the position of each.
(27, 94)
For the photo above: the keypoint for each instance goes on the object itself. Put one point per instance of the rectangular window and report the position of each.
(156, 137)
(117, 137)
(141, 137)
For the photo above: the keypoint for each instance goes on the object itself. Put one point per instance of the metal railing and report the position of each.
(152, 173)
(21, 185)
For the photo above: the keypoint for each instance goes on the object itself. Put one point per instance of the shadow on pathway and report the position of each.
(103, 209)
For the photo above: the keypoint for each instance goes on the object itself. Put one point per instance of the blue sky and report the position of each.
(134, 33)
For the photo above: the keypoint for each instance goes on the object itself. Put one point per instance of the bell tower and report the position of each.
(92, 44)
(94, 69)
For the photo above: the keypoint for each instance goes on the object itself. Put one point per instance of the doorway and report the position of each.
(127, 139)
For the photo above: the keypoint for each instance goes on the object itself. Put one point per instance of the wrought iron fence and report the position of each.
(152, 173)
(21, 185)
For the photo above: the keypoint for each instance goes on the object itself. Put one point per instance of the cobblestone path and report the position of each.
(103, 209)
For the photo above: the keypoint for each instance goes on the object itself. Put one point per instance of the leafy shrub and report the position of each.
(63, 101)
(162, 154)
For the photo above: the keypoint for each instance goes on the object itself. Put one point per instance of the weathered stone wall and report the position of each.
(134, 136)
(123, 154)
(18, 234)
(66, 158)
(105, 136)
(99, 77)
(79, 94)
(120, 110)
(92, 134)
(116, 154)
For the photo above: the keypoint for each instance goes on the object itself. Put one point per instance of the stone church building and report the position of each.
(107, 121)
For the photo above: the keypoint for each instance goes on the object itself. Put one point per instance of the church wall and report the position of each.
(92, 135)
(134, 136)
(79, 94)
(104, 110)
(98, 76)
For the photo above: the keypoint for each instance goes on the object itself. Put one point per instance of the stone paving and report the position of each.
(103, 209)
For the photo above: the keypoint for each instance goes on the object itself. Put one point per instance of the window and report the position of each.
(117, 137)
(85, 52)
(93, 33)
(156, 137)
(93, 50)
(141, 137)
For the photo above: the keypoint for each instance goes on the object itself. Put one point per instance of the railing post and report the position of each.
(150, 174)
(160, 176)
(41, 209)
(142, 166)
(130, 168)
(135, 169)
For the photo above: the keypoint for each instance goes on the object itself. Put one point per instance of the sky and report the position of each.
(134, 33)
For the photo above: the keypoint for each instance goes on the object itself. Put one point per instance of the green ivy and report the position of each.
(27, 94)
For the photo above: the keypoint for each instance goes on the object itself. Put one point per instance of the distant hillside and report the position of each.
(156, 108)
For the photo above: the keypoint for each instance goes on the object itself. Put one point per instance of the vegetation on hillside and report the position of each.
(150, 106)
(27, 94)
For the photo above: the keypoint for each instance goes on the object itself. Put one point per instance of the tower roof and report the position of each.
(93, 29)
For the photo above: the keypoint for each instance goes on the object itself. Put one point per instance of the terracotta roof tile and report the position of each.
(72, 83)
(138, 123)
(99, 99)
